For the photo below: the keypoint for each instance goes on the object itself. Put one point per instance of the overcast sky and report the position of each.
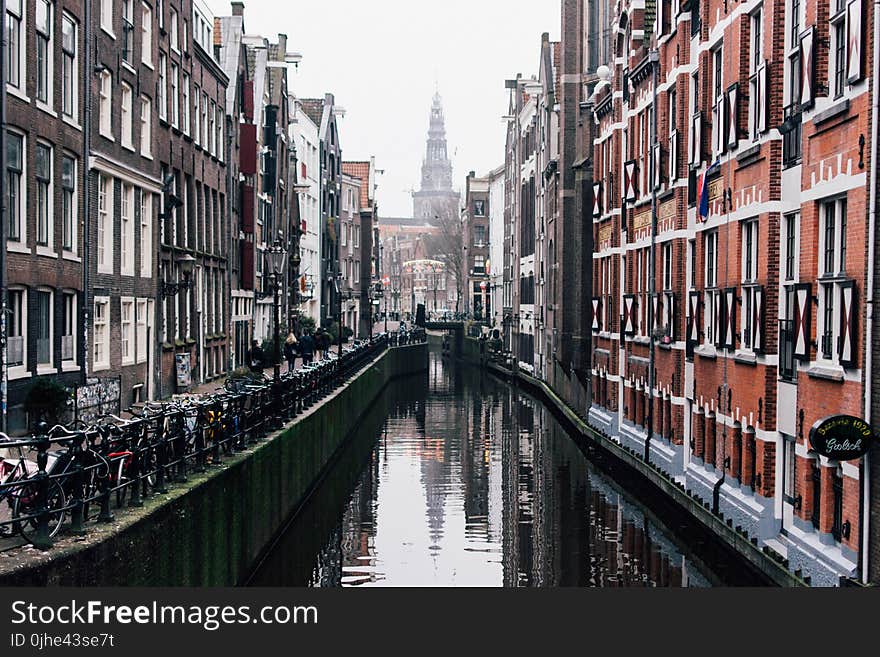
(381, 59)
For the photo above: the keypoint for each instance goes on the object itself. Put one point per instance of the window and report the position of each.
(837, 53)
(220, 121)
(185, 34)
(141, 330)
(718, 106)
(107, 16)
(162, 98)
(126, 313)
(172, 28)
(832, 271)
(673, 135)
(212, 133)
(710, 244)
(205, 141)
(44, 328)
(44, 50)
(146, 127)
(105, 228)
(479, 208)
(790, 468)
(479, 264)
(160, 13)
(68, 326)
(344, 235)
(101, 354)
(14, 170)
(816, 480)
(128, 31)
(175, 96)
(667, 266)
(749, 251)
(146, 234)
(791, 249)
(713, 295)
(146, 34)
(69, 73)
(752, 293)
(186, 108)
(126, 230)
(68, 204)
(16, 341)
(44, 195)
(125, 116)
(105, 107)
(197, 131)
(479, 236)
(14, 44)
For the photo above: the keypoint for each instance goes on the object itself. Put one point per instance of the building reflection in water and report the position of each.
(471, 483)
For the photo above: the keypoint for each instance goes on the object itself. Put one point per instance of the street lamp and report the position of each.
(385, 282)
(276, 255)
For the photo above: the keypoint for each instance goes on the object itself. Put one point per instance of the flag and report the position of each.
(704, 188)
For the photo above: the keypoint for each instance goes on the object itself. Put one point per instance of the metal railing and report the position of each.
(64, 478)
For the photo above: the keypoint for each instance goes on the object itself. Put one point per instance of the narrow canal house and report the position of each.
(45, 173)
(125, 184)
(365, 228)
(756, 315)
(241, 163)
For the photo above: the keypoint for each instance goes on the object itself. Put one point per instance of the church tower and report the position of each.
(436, 198)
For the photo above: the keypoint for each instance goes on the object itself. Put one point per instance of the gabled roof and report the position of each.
(314, 109)
(360, 170)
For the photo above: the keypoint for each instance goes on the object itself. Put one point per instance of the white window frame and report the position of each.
(70, 224)
(174, 82)
(127, 32)
(126, 331)
(718, 110)
(107, 17)
(795, 273)
(21, 210)
(104, 226)
(197, 131)
(141, 322)
(50, 200)
(126, 105)
(20, 16)
(105, 105)
(126, 230)
(49, 63)
(146, 34)
(185, 119)
(18, 300)
(146, 225)
(837, 21)
(46, 367)
(101, 334)
(70, 320)
(70, 59)
(710, 282)
(750, 247)
(162, 100)
(830, 281)
(173, 36)
(146, 107)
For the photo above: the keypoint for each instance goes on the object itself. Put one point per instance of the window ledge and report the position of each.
(67, 255)
(16, 92)
(46, 252)
(43, 370)
(827, 372)
(129, 147)
(128, 363)
(71, 122)
(706, 351)
(129, 66)
(69, 366)
(15, 373)
(831, 112)
(745, 357)
(641, 339)
(104, 270)
(108, 31)
(106, 136)
(46, 109)
(748, 153)
(101, 367)
(147, 156)
(149, 65)
(17, 247)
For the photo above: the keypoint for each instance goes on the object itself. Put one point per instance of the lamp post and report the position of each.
(277, 256)
(385, 282)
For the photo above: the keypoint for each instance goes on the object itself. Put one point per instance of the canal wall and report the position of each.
(738, 543)
(214, 529)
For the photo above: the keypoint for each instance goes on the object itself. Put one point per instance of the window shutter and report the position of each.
(629, 314)
(803, 297)
(696, 136)
(758, 321)
(693, 322)
(669, 314)
(248, 155)
(808, 68)
(248, 100)
(673, 157)
(733, 116)
(761, 103)
(658, 171)
(846, 335)
(247, 265)
(730, 318)
(854, 41)
(247, 208)
(597, 199)
(630, 172)
(596, 315)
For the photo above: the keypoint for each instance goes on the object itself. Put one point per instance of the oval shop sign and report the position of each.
(841, 437)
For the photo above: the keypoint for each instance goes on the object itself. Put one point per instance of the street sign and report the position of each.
(841, 437)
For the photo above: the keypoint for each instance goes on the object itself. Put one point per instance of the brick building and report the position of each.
(476, 246)
(362, 232)
(45, 173)
(756, 195)
(191, 152)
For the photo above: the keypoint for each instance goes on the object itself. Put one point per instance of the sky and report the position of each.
(382, 59)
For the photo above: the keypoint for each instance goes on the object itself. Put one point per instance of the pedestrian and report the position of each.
(256, 358)
(290, 348)
(307, 348)
(324, 343)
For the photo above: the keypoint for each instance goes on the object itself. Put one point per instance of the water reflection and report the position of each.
(456, 479)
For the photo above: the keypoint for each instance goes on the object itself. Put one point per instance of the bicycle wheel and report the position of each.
(26, 505)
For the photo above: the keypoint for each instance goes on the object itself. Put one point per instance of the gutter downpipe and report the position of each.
(4, 218)
(654, 58)
(84, 313)
(869, 297)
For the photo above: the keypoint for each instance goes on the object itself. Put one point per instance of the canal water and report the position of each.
(457, 479)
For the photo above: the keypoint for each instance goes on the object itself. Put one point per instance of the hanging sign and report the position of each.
(841, 437)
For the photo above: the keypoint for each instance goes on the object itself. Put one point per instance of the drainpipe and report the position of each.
(4, 217)
(84, 314)
(654, 59)
(864, 479)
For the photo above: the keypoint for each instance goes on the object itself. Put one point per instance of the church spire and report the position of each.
(436, 198)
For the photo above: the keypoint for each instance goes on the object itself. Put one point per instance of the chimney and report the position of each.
(238, 9)
(282, 47)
